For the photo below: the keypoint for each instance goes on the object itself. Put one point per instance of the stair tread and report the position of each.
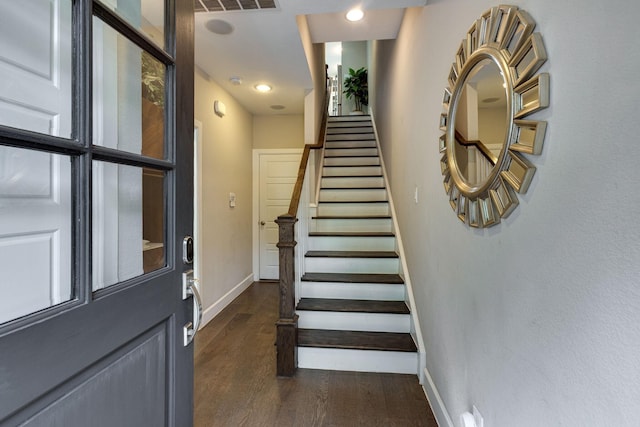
(359, 340)
(352, 306)
(350, 166)
(351, 216)
(353, 201)
(391, 279)
(351, 254)
(352, 176)
(351, 234)
(372, 187)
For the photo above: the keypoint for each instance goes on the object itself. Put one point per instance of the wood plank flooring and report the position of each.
(235, 382)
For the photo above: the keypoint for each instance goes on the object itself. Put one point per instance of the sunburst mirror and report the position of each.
(493, 87)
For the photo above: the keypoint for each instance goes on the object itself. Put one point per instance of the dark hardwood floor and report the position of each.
(236, 385)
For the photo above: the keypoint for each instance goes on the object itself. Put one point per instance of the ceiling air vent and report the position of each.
(229, 5)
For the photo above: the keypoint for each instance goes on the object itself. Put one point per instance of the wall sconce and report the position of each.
(219, 108)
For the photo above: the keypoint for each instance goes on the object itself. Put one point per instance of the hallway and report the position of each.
(235, 382)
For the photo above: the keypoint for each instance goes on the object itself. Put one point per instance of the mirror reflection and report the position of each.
(481, 122)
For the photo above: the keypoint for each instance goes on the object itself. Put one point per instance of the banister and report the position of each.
(479, 145)
(287, 324)
(302, 169)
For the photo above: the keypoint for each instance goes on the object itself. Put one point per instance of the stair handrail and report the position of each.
(287, 324)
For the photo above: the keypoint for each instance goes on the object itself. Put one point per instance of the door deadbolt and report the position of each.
(187, 250)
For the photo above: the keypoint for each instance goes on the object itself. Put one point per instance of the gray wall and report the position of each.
(354, 55)
(227, 145)
(537, 320)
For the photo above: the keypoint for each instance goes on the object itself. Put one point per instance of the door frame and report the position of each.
(197, 205)
(257, 155)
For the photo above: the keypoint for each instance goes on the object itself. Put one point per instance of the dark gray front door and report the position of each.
(96, 134)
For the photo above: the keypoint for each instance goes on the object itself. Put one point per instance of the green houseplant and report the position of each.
(356, 86)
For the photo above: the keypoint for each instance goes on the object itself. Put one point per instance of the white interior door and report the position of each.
(35, 66)
(35, 204)
(277, 176)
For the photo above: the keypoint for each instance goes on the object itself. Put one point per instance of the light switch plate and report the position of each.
(232, 200)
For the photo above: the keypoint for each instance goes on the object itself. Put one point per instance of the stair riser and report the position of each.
(374, 322)
(358, 360)
(349, 195)
(365, 166)
(351, 209)
(353, 118)
(349, 125)
(351, 137)
(349, 129)
(352, 225)
(375, 182)
(366, 291)
(350, 152)
(339, 243)
(352, 265)
(349, 144)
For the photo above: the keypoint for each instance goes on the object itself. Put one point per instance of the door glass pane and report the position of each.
(35, 231)
(145, 15)
(128, 95)
(35, 66)
(128, 222)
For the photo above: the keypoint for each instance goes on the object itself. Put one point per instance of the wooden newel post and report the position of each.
(287, 324)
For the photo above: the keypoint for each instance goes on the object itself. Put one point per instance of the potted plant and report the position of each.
(356, 86)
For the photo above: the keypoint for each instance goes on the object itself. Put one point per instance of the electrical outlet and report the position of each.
(477, 417)
(232, 200)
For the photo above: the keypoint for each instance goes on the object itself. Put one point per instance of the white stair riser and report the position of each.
(349, 144)
(351, 137)
(352, 152)
(352, 225)
(351, 171)
(358, 209)
(340, 243)
(353, 195)
(349, 129)
(351, 161)
(375, 182)
(352, 265)
(338, 321)
(337, 359)
(353, 118)
(366, 291)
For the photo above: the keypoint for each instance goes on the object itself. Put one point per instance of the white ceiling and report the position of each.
(265, 45)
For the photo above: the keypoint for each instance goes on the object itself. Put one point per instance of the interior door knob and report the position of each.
(262, 223)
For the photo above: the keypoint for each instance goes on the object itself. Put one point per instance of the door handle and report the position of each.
(262, 223)
(189, 288)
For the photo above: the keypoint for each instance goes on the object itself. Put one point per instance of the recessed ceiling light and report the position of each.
(355, 15)
(218, 26)
(262, 87)
(236, 81)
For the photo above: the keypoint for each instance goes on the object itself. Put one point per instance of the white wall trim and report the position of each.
(435, 401)
(257, 152)
(214, 309)
(422, 357)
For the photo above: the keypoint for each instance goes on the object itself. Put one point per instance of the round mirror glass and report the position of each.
(481, 122)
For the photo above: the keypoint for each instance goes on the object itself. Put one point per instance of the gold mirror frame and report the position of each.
(503, 34)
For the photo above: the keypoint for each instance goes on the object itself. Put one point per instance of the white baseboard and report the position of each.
(214, 309)
(435, 401)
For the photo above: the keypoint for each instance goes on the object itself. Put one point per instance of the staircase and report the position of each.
(352, 310)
